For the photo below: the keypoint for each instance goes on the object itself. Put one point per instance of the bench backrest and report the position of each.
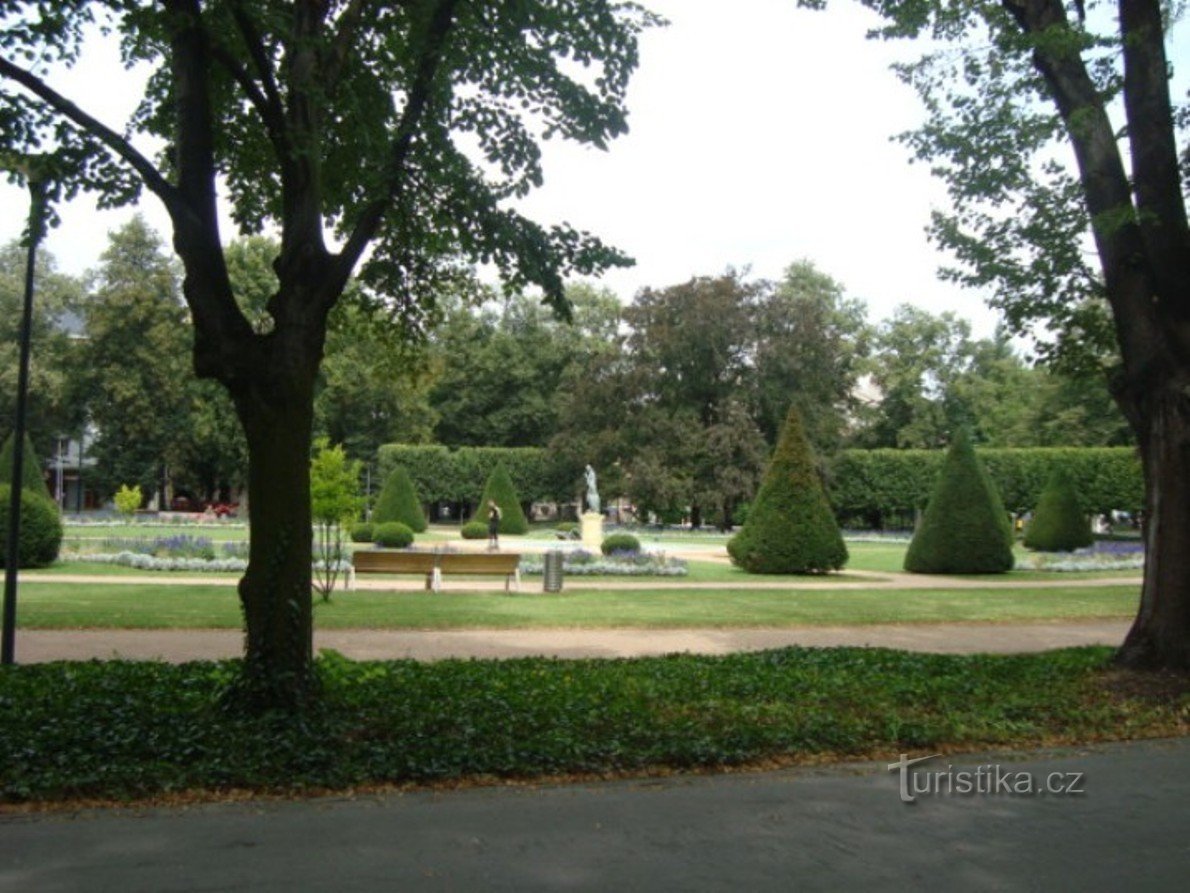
(479, 563)
(378, 562)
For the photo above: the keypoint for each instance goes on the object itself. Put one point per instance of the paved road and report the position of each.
(839, 828)
(35, 646)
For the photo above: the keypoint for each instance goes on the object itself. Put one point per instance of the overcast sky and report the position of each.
(760, 135)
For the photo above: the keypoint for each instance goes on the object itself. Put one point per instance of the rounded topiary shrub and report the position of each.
(475, 530)
(398, 502)
(965, 529)
(619, 542)
(1059, 523)
(362, 532)
(41, 529)
(790, 528)
(499, 488)
(392, 535)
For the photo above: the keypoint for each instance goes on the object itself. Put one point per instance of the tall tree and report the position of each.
(1031, 77)
(811, 342)
(133, 369)
(354, 116)
(52, 410)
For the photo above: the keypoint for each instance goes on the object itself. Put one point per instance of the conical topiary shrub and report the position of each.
(965, 529)
(790, 528)
(32, 479)
(499, 488)
(398, 502)
(1059, 523)
(40, 534)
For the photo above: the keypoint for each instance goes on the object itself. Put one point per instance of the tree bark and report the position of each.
(276, 408)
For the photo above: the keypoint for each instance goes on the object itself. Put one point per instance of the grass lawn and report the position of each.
(214, 532)
(129, 730)
(146, 605)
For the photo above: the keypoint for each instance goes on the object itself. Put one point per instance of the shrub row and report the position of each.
(891, 482)
(445, 475)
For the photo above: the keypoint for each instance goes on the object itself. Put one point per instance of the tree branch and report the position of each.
(150, 176)
(415, 107)
(272, 117)
(348, 26)
(260, 59)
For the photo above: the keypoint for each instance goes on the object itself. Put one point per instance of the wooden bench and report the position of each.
(435, 564)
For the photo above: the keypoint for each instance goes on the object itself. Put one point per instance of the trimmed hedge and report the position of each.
(501, 490)
(398, 502)
(41, 529)
(619, 542)
(31, 477)
(475, 530)
(875, 483)
(362, 532)
(445, 475)
(790, 528)
(392, 535)
(1059, 523)
(965, 529)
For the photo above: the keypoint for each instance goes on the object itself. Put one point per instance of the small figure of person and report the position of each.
(493, 525)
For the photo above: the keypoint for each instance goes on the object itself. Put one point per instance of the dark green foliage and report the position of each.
(41, 529)
(125, 729)
(875, 483)
(619, 542)
(500, 489)
(1059, 523)
(398, 502)
(392, 535)
(443, 474)
(965, 529)
(475, 530)
(31, 477)
(362, 532)
(791, 528)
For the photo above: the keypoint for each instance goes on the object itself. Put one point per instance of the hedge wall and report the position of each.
(890, 482)
(445, 475)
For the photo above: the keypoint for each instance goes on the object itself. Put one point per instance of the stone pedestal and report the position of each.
(591, 530)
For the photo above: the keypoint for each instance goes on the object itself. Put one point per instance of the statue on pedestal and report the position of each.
(592, 492)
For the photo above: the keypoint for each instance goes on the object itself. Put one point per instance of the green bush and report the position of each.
(566, 527)
(791, 528)
(398, 502)
(392, 535)
(965, 529)
(362, 532)
(41, 529)
(1059, 524)
(619, 542)
(499, 489)
(31, 477)
(475, 530)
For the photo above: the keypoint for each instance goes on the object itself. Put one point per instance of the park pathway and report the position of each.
(36, 646)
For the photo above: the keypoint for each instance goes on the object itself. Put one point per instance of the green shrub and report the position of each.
(791, 528)
(41, 529)
(965, 529)
(499, 489)
(398, 502)
(31, 477)
(128, 500)
(619, 542)
(475, 530)
(362, 532)
(1059, 524)
(566, 527)
(392, 535)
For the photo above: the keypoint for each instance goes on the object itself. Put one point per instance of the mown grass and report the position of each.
(134, 730)
(156, 606)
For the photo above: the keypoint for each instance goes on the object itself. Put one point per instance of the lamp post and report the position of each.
(35, 178)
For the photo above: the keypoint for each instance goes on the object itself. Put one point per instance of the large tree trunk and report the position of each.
(1160, 635)
(275, 592)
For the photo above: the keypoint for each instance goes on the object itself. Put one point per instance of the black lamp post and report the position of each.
(37, 182)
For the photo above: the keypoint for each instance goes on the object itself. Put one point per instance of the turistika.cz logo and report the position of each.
(987, 780)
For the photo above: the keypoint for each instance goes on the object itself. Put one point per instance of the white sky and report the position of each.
(760, 135)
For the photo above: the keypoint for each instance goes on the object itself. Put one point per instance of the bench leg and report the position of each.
(436, 579)
(513, 580)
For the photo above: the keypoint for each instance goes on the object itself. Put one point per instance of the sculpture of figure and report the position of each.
(592, 492)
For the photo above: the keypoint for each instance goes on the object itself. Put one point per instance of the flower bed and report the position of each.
(1104, 555)
(580, 563)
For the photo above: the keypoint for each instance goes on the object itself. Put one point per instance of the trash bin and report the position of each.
(552, 572)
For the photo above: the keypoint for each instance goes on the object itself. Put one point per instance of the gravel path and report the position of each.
(34, 646)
